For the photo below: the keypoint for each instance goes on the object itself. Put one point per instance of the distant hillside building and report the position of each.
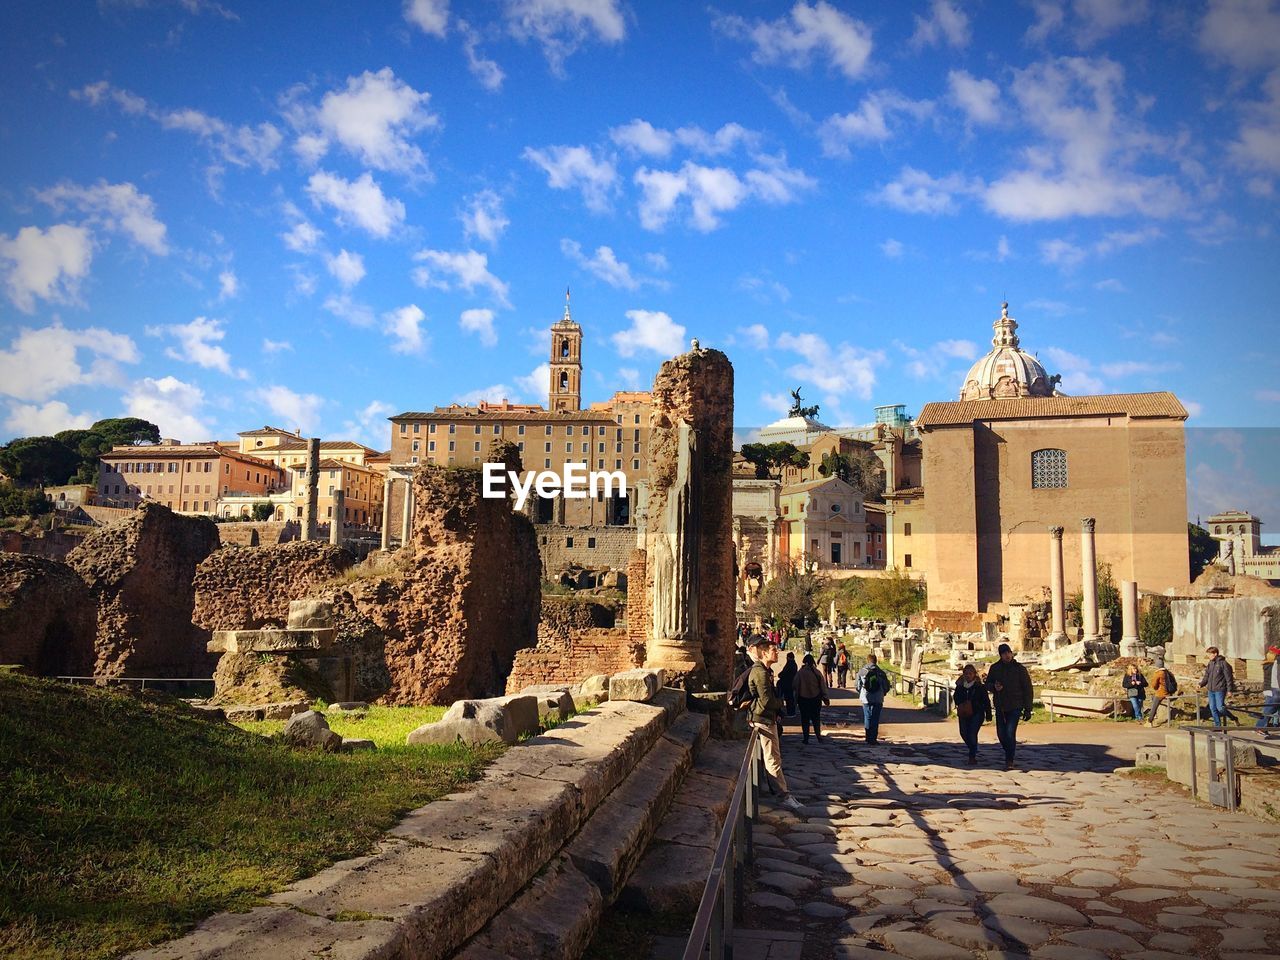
(1243, 531)
(185, 477)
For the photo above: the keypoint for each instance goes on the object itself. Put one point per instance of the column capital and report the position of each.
(1055, 532)
(1086, 524)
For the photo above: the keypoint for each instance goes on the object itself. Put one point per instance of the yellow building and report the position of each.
(187, 478)
(824, 526)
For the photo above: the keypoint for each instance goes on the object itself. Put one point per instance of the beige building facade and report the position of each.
(1243, 531)
(824, 526)
(187, 478)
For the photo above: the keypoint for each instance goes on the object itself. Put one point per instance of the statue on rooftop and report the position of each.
(797, 407)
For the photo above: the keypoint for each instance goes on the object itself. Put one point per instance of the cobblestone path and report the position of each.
(904, 850)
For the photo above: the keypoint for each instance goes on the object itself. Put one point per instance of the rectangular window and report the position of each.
(591, 542)
(907, 560)
(417, 428)
(431, 428)
(453, 428)
(476, 446)
(431, 446)
(599, 464)
(497, 429)
(601, 450)
(548, 446)
(635, 464)
(548, 429)
(547, 462)
(451, 443)
(906, 529)
(404, 428)
(586, 448)
(1049, 469)
(568, 541)
(617, 464)
(415, 459)
(568, 447)
(415, 445)
(477, 429)
(637, 418)
(520, 446)
(568, 430)
(520, 430)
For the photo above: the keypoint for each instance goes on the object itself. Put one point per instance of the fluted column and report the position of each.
(386, 513)
(1130, 645)
(1089, 579)
(406, 522)
(1057, 590)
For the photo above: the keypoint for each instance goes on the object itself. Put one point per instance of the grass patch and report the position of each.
(125, 820)
(385, 726)
(626, 935)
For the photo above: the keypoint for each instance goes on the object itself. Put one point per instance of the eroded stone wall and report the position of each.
(48, 620)
(247, 588)
(140, 572)
(576, 639)
(596, 548)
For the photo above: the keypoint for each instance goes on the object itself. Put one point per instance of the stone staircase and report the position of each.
(623, 801)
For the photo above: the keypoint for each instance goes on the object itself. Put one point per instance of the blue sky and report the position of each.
(219, 215)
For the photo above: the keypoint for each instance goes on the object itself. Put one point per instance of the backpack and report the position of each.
(1170, 682)
(740, 695)
(871, 682)
(842, 659)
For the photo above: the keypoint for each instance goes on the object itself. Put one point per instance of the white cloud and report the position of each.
(1077, 372)
(404, 325)
(932, 363)
(712, 191)
(1068, 255)
(538, 383)
(298, 410)
(1053, 308)
(779, 403)
(198, 343)
(346, 267)
(1115, 240)
(605, 265)
(763, 289)
(486, 71)
(1085, 167)
(374, 119)
(40, 363)
(1101, 18)
(1193, 408)
(275, 346)
(870, 123)
(630, 377)
(48, 264)
(577, 168)
(44, 420)
(809, 32)
(640, 136)
(479, 322)
(1111, 285)
(369, 426)
(650, 330)
(893, 249)
(946, 24)
(172, 405)
(429, 16)
(915, 191)
(494, 393)
(484, 218)
(358, 202)
(355, 313)
(836, 371)
(1062, 253)
(1244, 33)
(228, 285)
(960, 349)
(561, 26)
(978, 98)
(756, 336)
(302, 237)
(468, 269)
(119, 207)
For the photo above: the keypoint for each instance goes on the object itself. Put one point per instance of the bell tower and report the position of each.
(566, 363)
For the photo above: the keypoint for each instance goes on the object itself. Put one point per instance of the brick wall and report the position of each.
(576, 639)
(596, 548)
(637, 599)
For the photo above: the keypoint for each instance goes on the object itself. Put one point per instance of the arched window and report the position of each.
(564, 381)
(564, 347)
(1048, 469)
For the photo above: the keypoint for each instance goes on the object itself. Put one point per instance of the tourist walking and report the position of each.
(764, 714)
(787, 684)
(1010, 685)
(842, 665)
(1163, 685)
(1270, 690)
(1218, 681)
(812, 693)
(973, 708)
(871, 684)
(827, 660)
(1136, 686)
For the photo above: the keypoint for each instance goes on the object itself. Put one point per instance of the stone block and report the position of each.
(554, 702)
(1149, 756)
(348, 706)
(352, 745)
(1178, 758)
(310, 729)
(310, 614)
(243, 714)
(637, 685)
(594, 688)
(312, 642)
(502, 719)
(284, 709)
(1260, 792)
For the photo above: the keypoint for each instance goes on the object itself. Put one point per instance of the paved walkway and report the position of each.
(904, 850)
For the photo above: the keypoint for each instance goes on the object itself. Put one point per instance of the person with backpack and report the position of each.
(1136, 685)
(1163, 685)
(1270, 690)
(1218, 681)
(827, 660)
(842, 666)
(973, 708)
(1012, 697)
(787, 684)
(763, 703)
(871, 684)
(812, 694)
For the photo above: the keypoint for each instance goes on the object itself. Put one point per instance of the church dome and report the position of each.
(1007, 371)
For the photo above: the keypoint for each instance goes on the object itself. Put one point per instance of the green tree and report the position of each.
(38, 461)
(1156, 626)
(1108, 600)
(789, 597)
(836, 465)
(893, 596)
(262, 511)
(22, 503)
(770, 458)
(866, 472)
(1201, 547)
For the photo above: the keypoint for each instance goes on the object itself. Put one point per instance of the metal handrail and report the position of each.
(139, 680)
(713, 925)
(1047, 700)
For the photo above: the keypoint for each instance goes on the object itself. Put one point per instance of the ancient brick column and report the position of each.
(313, 490)
(1089, 579)
(339, 514)
(1057, 590)
(1130, 646)
(689, 521)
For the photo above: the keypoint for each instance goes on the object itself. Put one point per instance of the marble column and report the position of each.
(406, 521)
(1057, 590)
(312, 503)
(338, 518)
(1130, 645)
(1089, 579)
(386, 514)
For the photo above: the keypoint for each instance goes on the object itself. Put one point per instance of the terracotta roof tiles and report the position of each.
(1135, 405)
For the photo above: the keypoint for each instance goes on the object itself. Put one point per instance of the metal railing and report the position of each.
(712, 933)
(934, 694)
(1222, 789)
(1049, 700)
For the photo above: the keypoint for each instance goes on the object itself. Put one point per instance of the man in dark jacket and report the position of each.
(1218, 681)
(1010, 686)
(765, 705)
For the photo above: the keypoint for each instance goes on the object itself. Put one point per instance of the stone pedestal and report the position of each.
(1130, 643)
(1089, 579)
(1058, 624)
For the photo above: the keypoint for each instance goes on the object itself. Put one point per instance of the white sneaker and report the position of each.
(792, 802)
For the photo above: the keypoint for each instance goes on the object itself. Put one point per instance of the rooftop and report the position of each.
(506, 416)
(1161, 404)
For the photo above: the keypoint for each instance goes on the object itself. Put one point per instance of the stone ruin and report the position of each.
(577, 637)
(135, 577)
(687, 588)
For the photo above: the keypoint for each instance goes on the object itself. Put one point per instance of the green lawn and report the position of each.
(385, 726)
(126, 820)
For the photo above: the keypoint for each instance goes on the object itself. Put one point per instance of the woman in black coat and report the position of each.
(973, 708)
(787, 684)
